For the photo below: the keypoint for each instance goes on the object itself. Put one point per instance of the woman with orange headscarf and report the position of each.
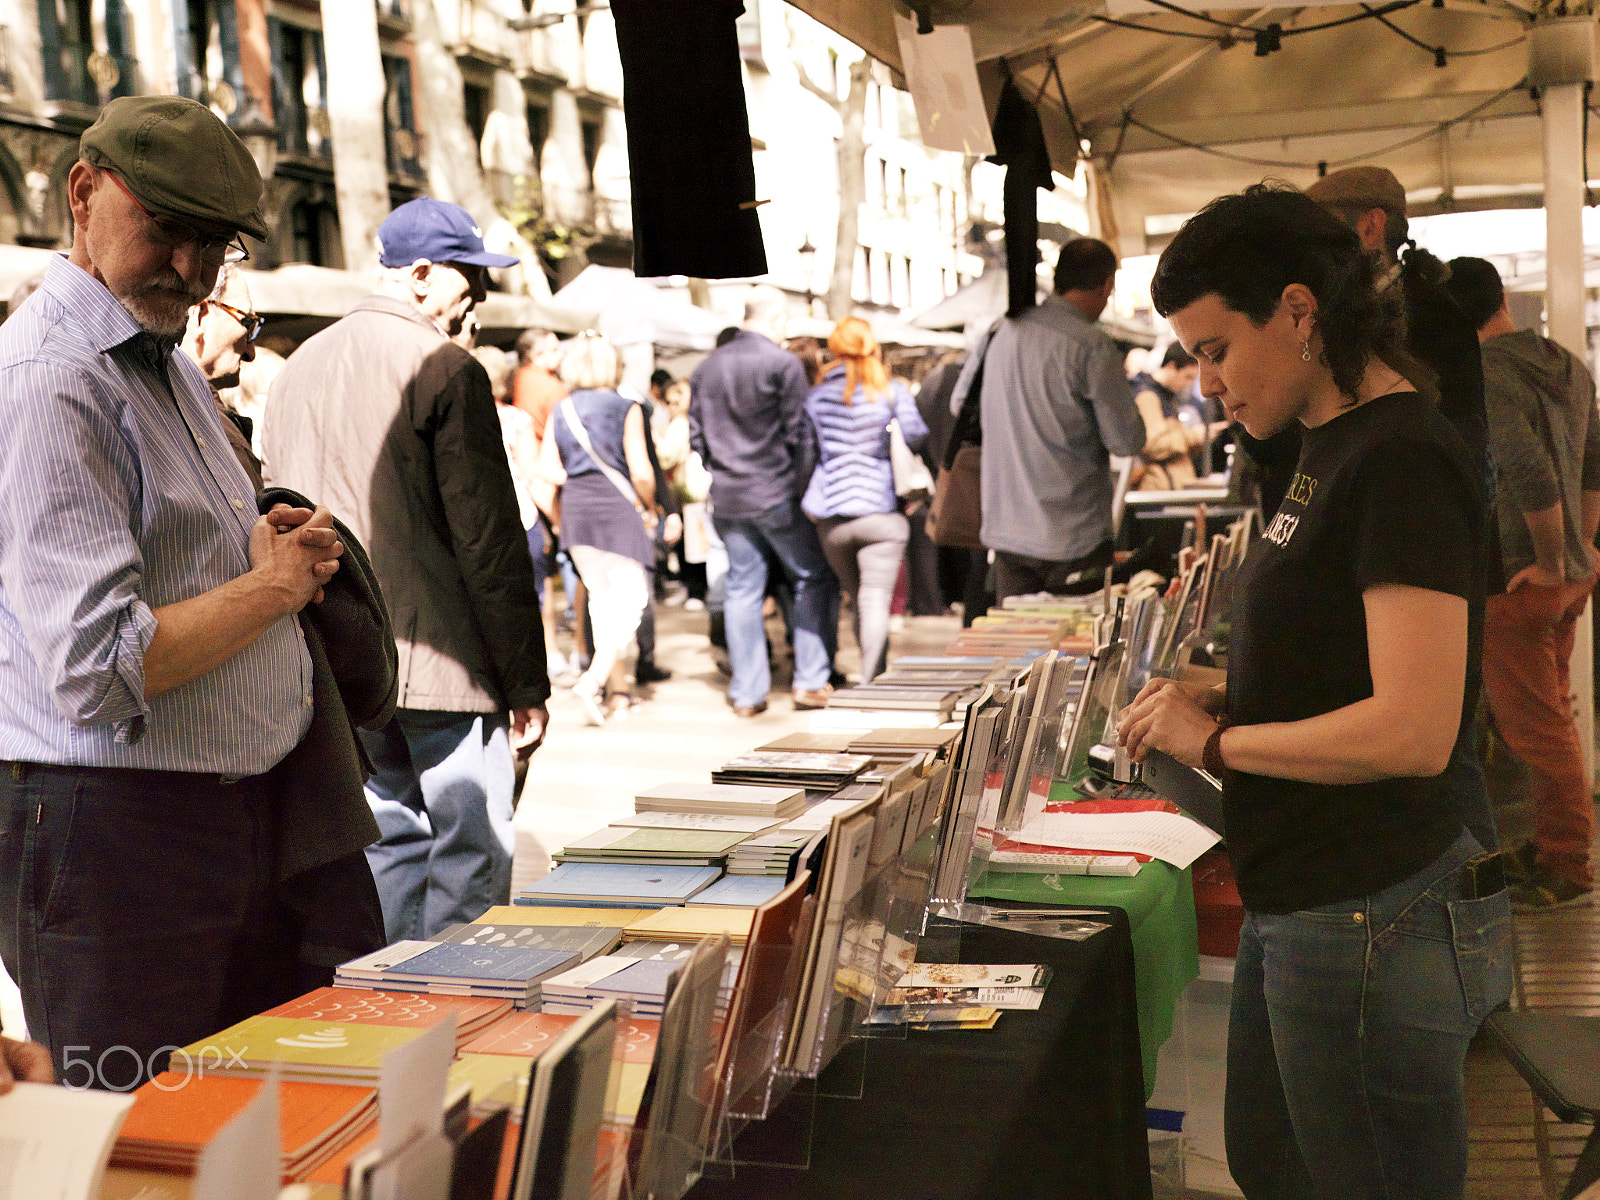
(851, 496)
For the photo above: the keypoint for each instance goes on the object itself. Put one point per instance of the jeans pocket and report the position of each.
(1481, 930)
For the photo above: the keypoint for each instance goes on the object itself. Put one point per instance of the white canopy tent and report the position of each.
(1471, 103)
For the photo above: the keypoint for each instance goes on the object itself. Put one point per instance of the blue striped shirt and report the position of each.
(121, 495)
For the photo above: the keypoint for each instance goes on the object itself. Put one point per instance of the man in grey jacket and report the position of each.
(1056, 404)
(393, 427)
(1545, 432)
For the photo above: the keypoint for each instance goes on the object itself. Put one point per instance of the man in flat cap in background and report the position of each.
(152, 674)
(394, 427)
(1435, 332)
(220, 337)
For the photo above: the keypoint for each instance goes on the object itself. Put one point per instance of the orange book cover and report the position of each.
(526, 1034)
(174, 1116)
(364, 1006)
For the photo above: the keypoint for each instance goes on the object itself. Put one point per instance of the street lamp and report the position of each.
(808, 254)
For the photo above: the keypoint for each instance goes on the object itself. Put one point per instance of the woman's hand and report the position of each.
(1167, 716)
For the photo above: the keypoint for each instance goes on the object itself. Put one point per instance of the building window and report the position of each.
(399, 117)
(475, 102)
(538, 132)
(592, 129)
(76, 70)
(299, 95)
(314, 230)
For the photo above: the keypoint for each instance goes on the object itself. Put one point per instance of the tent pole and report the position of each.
(1564, 185)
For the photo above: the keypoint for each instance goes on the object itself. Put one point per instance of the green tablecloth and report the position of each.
(1159, 901)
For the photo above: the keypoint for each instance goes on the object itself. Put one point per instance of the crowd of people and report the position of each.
(265, 677)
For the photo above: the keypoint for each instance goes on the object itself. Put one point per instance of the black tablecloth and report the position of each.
(1048, 1104)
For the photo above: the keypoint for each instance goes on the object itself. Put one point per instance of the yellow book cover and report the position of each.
(324, 1046)
(691, 922)
(492, 1077)
(529, 914)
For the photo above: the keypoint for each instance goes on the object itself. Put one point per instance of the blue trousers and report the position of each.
(442, 798)
(1348, 1037)
(793, 540)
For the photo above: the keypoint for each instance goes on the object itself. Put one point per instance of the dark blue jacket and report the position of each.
(854, 477)
(748, 423)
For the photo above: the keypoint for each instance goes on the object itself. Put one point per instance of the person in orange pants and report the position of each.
(1545, 432)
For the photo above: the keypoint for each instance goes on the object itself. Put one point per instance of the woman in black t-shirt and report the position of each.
(1375, 938)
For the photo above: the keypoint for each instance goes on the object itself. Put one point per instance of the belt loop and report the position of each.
(19, 772)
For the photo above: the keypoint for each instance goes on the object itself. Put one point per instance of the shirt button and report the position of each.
(238, 504)
(1358, 917)
(307, 699)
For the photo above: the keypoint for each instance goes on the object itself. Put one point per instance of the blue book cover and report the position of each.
(615, 882)
(647, 979)
(740, 891)
(450, 961)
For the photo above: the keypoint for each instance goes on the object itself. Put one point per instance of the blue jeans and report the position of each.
(442, 798)
(1348, 1035)
(792, 538)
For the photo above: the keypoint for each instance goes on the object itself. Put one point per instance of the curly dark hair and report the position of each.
(1247, 248)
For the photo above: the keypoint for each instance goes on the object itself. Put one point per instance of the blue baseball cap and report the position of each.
(436, 231)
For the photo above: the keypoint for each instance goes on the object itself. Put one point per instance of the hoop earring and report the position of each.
(1305, 351)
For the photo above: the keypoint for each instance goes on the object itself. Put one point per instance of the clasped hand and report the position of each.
(299, 549)
(1166, 716)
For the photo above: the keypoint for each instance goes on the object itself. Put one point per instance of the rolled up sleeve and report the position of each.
(70, 565)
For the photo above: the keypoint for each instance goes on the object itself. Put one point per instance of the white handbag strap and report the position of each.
(618, 480)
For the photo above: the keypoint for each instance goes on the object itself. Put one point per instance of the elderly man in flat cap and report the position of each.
(393, 424)
(152, 671)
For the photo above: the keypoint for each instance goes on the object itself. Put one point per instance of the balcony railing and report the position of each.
(87, 76)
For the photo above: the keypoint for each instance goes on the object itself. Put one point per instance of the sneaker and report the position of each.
(804, 701)
(746, 711)
(1544, 892)
(591, 705)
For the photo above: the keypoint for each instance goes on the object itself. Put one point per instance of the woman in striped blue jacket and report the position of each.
(851, 496)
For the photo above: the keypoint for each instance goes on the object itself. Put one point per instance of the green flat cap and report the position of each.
(179, 160)
(1361, 187)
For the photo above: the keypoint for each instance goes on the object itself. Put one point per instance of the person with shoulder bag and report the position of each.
(857, 411)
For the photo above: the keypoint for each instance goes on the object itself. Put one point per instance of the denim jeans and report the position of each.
(1348, 1036)
(793, 540)
(442, 798)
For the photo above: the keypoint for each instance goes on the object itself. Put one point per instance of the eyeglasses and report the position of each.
(173, 235)
(252, 322)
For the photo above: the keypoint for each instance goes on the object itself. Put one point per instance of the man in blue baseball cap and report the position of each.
(394, 427)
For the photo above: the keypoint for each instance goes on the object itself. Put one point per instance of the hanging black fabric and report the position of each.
(1020, 148)
(693, 177)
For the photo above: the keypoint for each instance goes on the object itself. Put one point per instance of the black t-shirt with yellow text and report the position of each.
(1384, 493)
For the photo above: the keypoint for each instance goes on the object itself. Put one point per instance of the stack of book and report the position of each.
(618, 885)
(175, 1116)
(505, 972)
(768, 853)
(690, 924)
(583, 940)
(644, 981)
(795, 769)
(411, 1010)
(657, 846)
(316, 1051)
(719, 797)
(739, 891)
